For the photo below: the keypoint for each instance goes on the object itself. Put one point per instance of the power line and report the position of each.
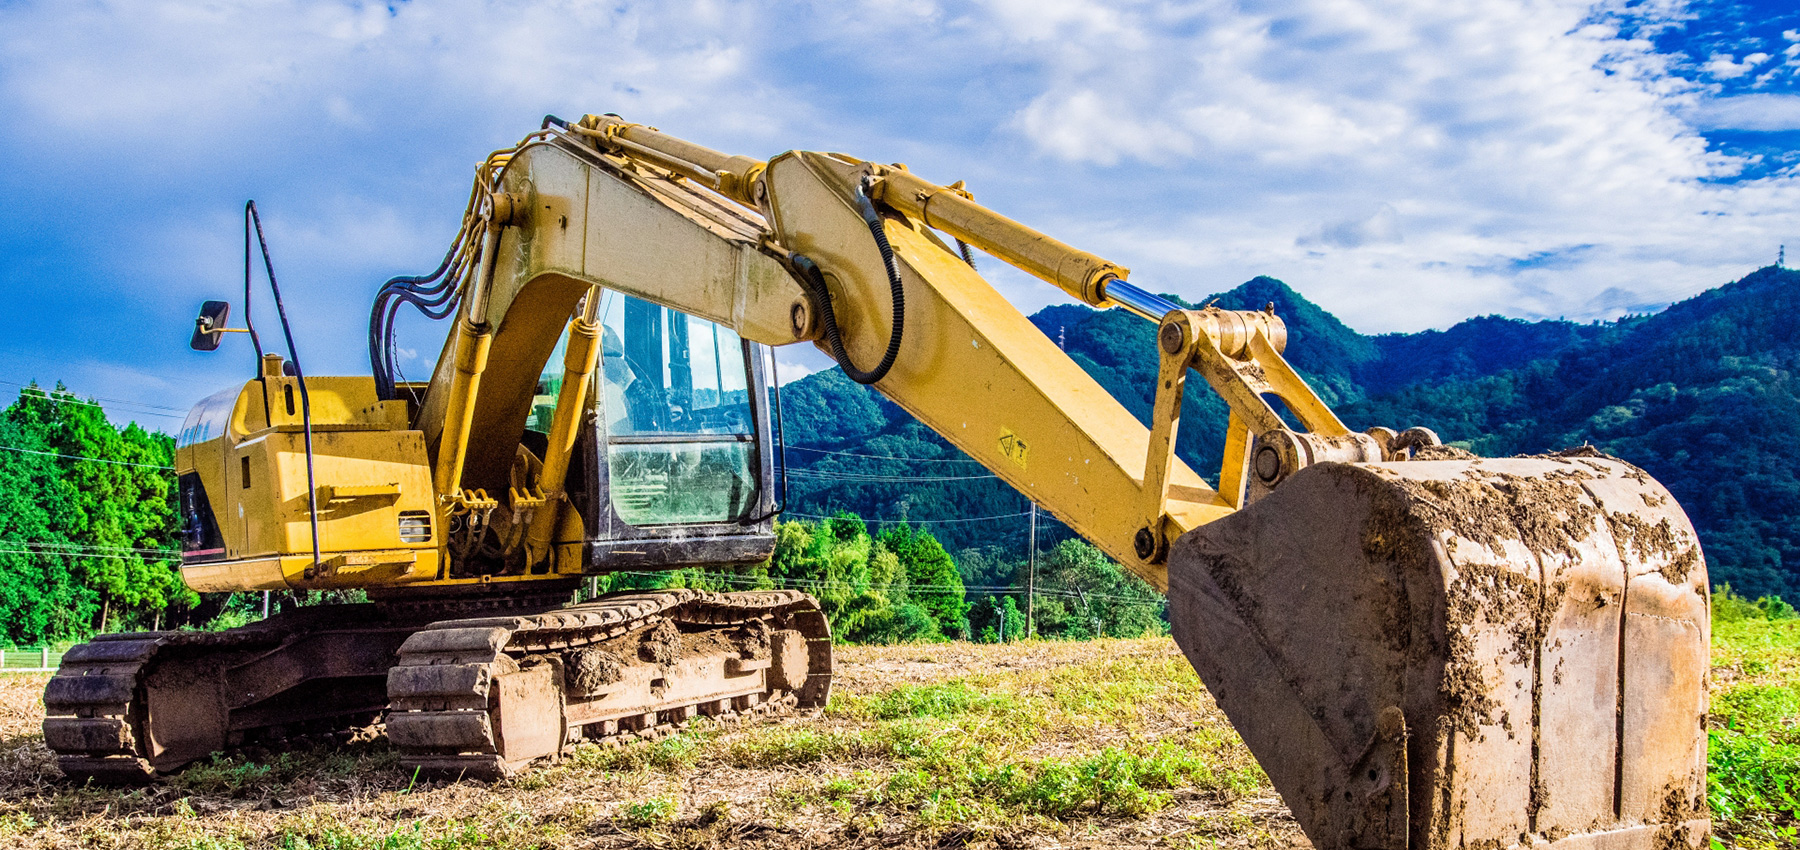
(911, 520)
(69, 554)
(884, 457)
(939, 588)
(834, 475)
(83, 547)
(172, 412)
(84, 457)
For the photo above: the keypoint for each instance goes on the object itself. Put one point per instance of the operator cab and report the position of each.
(675, 461)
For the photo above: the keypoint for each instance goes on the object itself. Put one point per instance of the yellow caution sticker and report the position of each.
(1013, 446)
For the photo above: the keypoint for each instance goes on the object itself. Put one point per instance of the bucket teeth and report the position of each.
(1456, 653)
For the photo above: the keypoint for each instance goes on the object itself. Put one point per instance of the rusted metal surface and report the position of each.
(1461, 653)
(485, 697)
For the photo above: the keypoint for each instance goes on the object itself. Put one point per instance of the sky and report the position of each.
(1405, 164)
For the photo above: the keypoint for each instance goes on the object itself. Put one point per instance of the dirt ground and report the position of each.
(1037, 745)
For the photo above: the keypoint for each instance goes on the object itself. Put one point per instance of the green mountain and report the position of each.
(1702, 395)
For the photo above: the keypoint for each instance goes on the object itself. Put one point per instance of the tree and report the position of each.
(41, 595)
(1087, 595)
(935, 584)
(122, 514)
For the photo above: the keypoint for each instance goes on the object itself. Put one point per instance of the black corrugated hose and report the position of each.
(810, 272)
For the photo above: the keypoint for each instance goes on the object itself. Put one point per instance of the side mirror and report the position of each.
(209, 328)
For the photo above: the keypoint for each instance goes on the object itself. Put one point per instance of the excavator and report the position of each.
(1423, 648)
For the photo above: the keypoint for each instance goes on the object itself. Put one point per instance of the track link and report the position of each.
(98, 718)
(484, 697)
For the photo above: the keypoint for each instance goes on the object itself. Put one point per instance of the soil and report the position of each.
(360, 791)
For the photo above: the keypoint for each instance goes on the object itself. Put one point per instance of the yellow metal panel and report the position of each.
(587, 227)
(225, 576)
(977, 371)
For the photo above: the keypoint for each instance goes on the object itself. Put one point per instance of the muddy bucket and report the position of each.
(1462, 653)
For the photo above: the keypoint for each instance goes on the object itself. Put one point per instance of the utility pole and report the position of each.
(1031, 579)
(1781, 257)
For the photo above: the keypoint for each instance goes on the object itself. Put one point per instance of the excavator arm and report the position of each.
(615, 205)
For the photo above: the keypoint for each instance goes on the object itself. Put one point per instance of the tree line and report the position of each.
(87, 523)
(899, 584)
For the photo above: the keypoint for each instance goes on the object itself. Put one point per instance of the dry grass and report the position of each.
(1105, 744)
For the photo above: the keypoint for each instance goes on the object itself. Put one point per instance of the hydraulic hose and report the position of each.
(809, 272)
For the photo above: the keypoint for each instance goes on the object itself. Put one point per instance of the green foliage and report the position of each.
(935, 585)
(1728, 607)
(940, 699)
(861, 585)
(87, 511)
(652, 812)
(1005, 622)
(1098, 598)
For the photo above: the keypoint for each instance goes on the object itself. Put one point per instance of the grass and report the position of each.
(1113, 743)
(1753, 784)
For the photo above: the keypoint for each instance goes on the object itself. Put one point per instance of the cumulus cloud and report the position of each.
(1723, 67)
(1766, 112)
(1379, 227)
(1495, 129)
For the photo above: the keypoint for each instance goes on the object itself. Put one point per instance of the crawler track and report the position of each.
(125, 707)
(478, 696)
(483, 697)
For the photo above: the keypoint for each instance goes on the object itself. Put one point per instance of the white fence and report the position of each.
(40, 660)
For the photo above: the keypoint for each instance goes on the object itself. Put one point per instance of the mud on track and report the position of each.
(1103, 744)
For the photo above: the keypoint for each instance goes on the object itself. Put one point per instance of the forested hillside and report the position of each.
(1702, 395)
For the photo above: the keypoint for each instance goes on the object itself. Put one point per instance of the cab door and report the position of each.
(681, 443)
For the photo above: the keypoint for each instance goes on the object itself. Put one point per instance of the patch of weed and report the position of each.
(940, 699)
(674, 753)
(416, 835)
(223, 775)
(788, 746)
(16, 823)
(655, 811)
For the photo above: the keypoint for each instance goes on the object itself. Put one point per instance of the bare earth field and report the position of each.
(1104, 744)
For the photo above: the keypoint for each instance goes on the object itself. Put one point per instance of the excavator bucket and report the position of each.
(1468, 653)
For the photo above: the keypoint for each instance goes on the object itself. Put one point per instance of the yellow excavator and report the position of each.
(1424, 649)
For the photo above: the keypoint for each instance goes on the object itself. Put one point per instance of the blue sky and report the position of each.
(1404, 164)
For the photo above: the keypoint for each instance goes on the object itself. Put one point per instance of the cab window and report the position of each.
(672, 395)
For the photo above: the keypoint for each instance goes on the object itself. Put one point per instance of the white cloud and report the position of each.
(1749, 112)
(1502, 132)
(1722, 66)
(1379, 227)
(1407, 163)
